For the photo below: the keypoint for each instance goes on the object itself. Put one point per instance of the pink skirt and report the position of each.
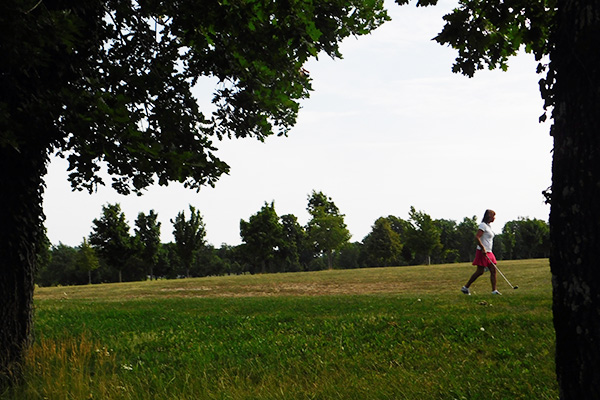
(483, 261)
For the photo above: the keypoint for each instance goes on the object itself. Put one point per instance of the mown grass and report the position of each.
(388, 333)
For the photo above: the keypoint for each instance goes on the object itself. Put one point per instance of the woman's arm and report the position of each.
(478, 238)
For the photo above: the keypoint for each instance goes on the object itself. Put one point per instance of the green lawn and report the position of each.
(386, 333)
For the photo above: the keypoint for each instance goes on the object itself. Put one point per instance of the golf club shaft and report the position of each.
(498, 269)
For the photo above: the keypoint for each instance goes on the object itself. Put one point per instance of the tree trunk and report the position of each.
(575, 213)
(21, 229)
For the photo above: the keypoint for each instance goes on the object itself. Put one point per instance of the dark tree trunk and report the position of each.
(21, 229)
(575, 213)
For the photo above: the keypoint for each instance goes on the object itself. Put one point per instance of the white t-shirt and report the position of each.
(488, 236)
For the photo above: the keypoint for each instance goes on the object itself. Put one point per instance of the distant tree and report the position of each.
(263, 237)
(111, 239)
(423, 235)
(350, 255)
(537, 235)
(382, 246)
(448, 251)
(319, 201)
(326, 229)
(189, 237)
(231, 259)
(526, 238)
(466, 231)
(398, 225)
(62, 267)
(208, 262)
(147, 232)
(169, 263)
(402, 228)
(509, 240)
(295, 243)
(319, 262)
(498, 247)
(44, 257)
(87, 260)
(44, 253)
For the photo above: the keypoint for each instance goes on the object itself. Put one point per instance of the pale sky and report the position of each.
(386, 128)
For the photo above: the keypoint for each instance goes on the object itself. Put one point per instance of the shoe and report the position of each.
(496, 292)
(465, 290)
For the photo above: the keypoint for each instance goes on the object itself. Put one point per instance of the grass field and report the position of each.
(386, 333)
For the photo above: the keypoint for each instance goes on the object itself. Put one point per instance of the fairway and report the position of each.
(381, 333)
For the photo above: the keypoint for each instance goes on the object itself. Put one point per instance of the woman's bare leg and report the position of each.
(478, 272)
(493, 275)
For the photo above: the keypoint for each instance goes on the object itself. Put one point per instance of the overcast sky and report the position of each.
(386, 128)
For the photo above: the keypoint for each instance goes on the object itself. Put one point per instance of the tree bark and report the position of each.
(575, 212)
(21, 229)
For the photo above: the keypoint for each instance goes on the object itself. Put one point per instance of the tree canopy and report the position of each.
(109, 83)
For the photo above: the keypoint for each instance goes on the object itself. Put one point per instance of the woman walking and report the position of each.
(484, 258)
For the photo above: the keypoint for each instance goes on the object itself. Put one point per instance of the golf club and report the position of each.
(498, 269)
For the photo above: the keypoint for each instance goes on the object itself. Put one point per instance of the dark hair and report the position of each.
(487, 214)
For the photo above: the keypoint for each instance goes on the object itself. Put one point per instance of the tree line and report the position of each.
(273, 243)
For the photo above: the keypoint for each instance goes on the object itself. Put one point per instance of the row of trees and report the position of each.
(273, 243)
